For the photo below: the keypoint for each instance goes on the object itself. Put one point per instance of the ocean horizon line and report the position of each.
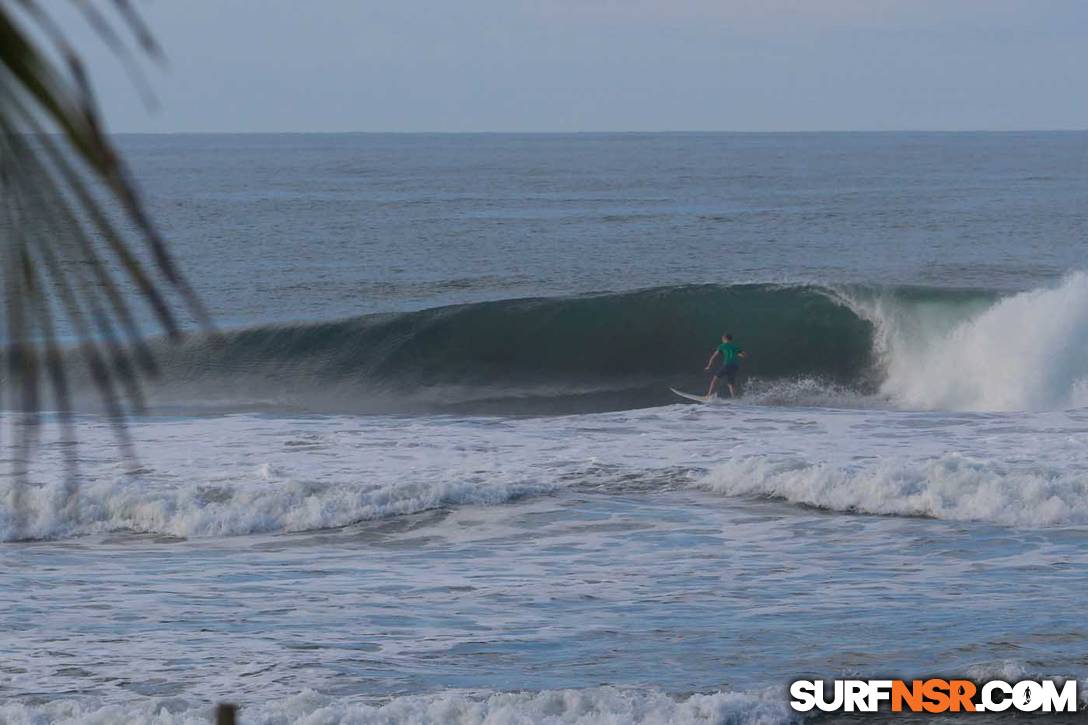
(620, 132)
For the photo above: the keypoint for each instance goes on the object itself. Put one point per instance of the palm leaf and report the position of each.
(78, 251)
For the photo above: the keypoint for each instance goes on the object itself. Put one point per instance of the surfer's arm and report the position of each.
(713, 355)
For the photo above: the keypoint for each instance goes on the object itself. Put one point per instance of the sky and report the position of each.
(600, 65)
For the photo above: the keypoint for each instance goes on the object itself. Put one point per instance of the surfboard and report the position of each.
(716, 400)
(689, 396)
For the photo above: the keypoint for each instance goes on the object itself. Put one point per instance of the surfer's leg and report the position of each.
(713, 384)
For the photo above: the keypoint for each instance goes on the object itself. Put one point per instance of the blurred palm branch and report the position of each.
(78, 251)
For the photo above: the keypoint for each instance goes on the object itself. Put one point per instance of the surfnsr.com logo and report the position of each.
(934, 696)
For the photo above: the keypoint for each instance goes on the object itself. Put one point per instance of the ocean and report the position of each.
(430, 469)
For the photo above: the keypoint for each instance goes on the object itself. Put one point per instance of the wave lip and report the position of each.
(950, 486)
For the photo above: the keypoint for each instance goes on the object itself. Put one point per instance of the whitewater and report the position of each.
(430, 469)
(245, 474)
(818, 444)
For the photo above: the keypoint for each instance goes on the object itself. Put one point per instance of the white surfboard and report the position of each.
(689, 396)
(702, 398)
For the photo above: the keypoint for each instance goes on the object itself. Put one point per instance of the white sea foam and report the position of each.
(950, 486)
(242, 475)
(1023, 352)
(592, 706)
(809, 392)
(128, 504)
(253, 474)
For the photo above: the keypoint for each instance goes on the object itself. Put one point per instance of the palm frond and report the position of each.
(78, 250)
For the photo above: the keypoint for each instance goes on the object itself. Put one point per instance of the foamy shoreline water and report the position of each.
(524, 604)
(244, 474)
(254, 555)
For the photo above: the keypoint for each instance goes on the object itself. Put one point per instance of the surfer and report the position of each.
(731, 354)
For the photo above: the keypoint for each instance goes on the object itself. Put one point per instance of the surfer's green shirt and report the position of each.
(730, 352)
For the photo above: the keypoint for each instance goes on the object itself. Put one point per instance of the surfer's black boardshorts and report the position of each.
(729, 372)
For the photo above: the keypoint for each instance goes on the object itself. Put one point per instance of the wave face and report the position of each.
(576, 354)
(909, 347)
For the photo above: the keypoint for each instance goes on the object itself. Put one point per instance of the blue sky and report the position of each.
(600, 65)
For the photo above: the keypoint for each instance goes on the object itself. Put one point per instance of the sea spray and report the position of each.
(1027, 351)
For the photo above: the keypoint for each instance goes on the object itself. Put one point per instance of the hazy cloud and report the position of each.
(268, 65)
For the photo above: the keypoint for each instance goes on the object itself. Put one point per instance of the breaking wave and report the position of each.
(951, 486)
(546, 355)
(1027, 351)
(911, 347)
